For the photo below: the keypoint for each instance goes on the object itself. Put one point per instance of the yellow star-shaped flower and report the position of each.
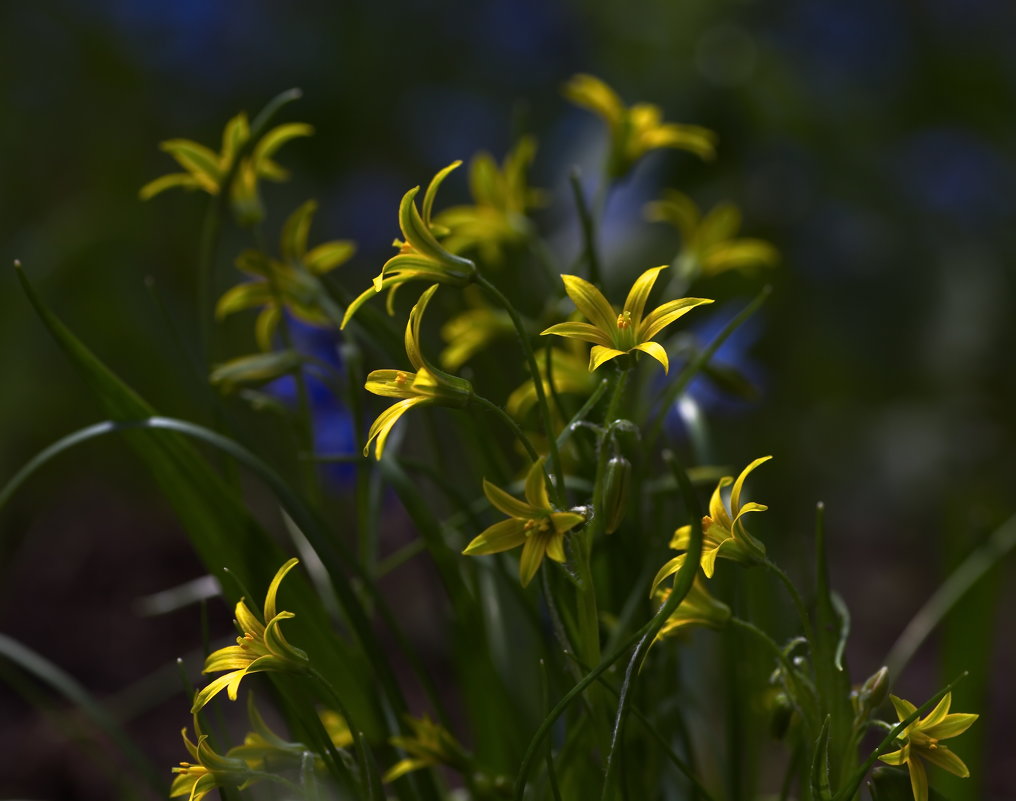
(635, 130)
(723, 531)
(261, 647)
(920, 742)
(614, 334)
(534, 524)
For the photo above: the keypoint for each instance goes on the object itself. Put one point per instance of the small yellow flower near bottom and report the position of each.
(209, 770)
(921, 742)
(532, 523)
(430, 744)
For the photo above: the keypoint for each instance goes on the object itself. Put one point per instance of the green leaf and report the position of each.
(820, 789)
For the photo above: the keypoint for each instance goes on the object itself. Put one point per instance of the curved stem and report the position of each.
(507, 419)
(795, 596)
(557, 485)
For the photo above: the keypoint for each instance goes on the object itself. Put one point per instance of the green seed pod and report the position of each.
(616, 479)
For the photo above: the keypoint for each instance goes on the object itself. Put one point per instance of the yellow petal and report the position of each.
(583, 331)
(510, 505)
(382, 426)
(735, 493)
(944, 758)
(590, 301)
(565, 521)
(536, 486)
(532, 556)
(639, 294)
(669, 569)
(273, 588)
(599, 354)
(213, 688)
(693, 138)
(499, 537)
(296, 230)
(555, 548)
(592, 93)
(717, 510)
(412, 337)
(273, 140)
(182, 179)
(391, 383)
(918, 780)
(662, 316)
(904, 709)
(657, 351)
(432, 187)
(950, 726)
(896, 757)
(329, 255)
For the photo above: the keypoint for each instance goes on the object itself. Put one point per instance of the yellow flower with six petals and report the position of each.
(921, 742)
(533, 524)
(635, 130)
(427, 385)
(698, 608)
(614, 334)
(261, 647)
(208, 771)
(430, 744)
(207, 170)
(723, 531)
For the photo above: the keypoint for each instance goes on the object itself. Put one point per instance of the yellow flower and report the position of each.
(430, 744)
(421, 256)
(295, 277)
(698, 608)
(614, 334)
(208, 771)
(427, 385)
(472, 330)
(635, 130)
(709, 244)
(723, 531)
(501, 199)
(920, 742)
(533, 524)
(262, 647)
(569, 373)
(207, 170)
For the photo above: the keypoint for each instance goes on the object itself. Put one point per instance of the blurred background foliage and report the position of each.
(872, 142)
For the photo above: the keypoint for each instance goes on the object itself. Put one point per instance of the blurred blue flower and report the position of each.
(334, 432)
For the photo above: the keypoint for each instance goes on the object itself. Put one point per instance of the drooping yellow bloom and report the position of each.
(430, 744)
(501, 198)
(261, 647)
(472, 330)
(635, 130)
(208, 770)
(207, 170)
(295, 277)
(698, 608)
(427, 385)
(920, 742)
(709, 244)
(614, 334)
(723, 531)
(421, 256)
(534, 524)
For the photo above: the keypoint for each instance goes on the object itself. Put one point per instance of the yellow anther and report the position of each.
(624, 320)
(401, 377)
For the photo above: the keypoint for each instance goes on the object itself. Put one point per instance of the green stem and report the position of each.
(557, 485)
(795, 596)
(507, 419)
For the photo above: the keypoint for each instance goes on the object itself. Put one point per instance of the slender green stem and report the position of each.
(795, 596)
(673, 392)
(507, 419)
(556, 486)
(768, 641)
